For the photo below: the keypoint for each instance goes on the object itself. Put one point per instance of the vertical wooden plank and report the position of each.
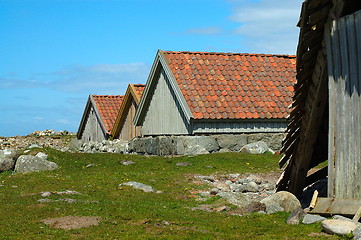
(344, 114)
(338, 100)
(358, 104)
(352, 51)
(332, 109)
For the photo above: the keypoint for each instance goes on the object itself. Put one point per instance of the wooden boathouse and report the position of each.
(196, 93)
(99, 116)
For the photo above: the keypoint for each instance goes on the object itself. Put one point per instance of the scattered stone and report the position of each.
(69, 200)
(71, 222)
(296, 216)
(28, 163)
(238, 187)
(311, 218)
(252, 187)
(214, 191)
(255, 207)
(259, 147)
(127, 162)
(223, 187)
(220, 209)
(138, 185)
(159, 192)
(183, 164)
(45, 194)
(338, 226)
(67, 192)
(89, 165)
(281, 201)
(236, 198)
(45, 200)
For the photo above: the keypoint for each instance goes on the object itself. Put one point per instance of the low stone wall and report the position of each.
(188, 145)
(184, 145)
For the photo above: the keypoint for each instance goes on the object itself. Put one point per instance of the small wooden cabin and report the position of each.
(99, 117)
(325, 123)
(195, 93)
(123, 127)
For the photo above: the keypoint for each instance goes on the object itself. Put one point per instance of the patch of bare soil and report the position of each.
(72, 222)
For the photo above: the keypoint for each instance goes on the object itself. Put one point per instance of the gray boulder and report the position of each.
(255, 148)
(296, 216)
(198, 144)
(195, 150)
(310, 218)
(252, 187)
(231, 142)
(137, 185)
(28, 163)
(273, 140)
(151, 146)
(236, 198)
(281, 202)
(42, 155)
(167, 145)
(8, 159)
(138, 145)
(338, 226)
(222, 186)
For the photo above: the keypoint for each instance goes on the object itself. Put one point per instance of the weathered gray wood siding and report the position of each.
(344, 68)
(164, 115)
(128, 131)
(239, 126)
(92, 130)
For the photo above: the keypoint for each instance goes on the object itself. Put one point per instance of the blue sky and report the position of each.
(54, 53)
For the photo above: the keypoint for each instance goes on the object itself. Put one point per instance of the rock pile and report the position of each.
(249, 193)
(24, 142)
(106, 146)
(50, 132)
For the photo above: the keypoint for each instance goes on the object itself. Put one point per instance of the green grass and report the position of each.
(132, 214)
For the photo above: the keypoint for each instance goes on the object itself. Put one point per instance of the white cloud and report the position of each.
(93, 79)
(267, 26)
(205, 31)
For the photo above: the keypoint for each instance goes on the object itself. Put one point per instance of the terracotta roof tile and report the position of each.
(139, 88)
(108, 107)
(258, 81)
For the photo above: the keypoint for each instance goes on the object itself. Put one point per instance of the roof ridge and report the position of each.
(96, 95)
(230, 53)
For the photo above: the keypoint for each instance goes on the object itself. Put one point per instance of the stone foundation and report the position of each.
(184, 145)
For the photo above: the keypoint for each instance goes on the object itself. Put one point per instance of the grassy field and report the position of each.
(128, 213)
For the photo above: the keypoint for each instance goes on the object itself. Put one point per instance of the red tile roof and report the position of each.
(234, 85)
(108, 107)
(139, 88)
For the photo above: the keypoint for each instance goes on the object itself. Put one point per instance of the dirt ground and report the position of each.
(72, 222)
